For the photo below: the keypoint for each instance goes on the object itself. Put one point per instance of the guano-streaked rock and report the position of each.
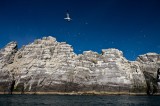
(50, 66)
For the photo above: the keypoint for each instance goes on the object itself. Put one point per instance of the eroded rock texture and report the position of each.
(7, 56)
(50, 66)
(149, 65)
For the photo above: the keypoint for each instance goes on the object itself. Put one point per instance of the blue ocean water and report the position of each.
(71, 100)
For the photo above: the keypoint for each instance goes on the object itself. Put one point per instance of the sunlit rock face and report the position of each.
(50, 66)
(7, 55)
(149, 65)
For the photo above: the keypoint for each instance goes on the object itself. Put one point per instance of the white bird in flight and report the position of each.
(67, 18)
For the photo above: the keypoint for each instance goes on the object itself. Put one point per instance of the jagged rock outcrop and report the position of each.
(50, 66)
(149, 65)
(6, 58)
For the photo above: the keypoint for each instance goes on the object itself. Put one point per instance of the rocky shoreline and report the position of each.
(76, 93)
(48, 66)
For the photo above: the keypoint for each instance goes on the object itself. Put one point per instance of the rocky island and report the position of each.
(50, 67)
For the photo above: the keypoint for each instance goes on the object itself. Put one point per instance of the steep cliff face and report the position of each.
(6, 58)
(149, 65)
(43, 65)
(50, 66)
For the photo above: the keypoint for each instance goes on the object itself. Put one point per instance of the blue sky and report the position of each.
(132, 26)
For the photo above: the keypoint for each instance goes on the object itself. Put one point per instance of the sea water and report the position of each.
(74, 100)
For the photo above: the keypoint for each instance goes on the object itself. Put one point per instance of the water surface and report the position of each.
(73, 100)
